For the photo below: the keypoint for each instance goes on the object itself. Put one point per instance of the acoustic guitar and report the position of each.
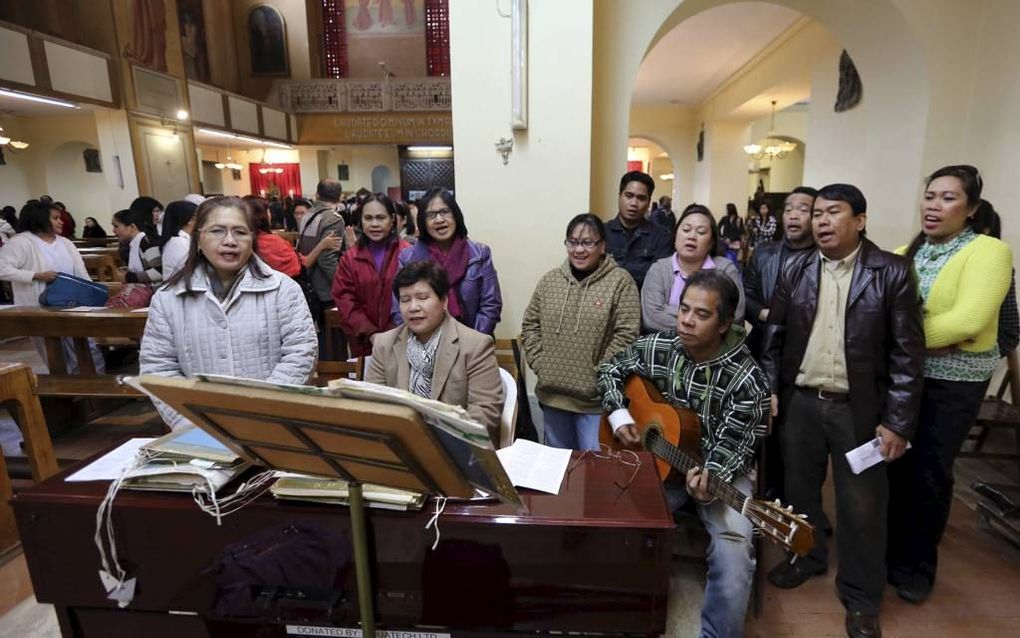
(673, 435)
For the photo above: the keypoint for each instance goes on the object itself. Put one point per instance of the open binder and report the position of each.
(358, 432)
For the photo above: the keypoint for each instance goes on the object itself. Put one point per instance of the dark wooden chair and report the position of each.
(326, 371)
(996, 412)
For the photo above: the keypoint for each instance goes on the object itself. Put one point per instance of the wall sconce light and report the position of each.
(504, 146)
(182, 114)
(518, 65)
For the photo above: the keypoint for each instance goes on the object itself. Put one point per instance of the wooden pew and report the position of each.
(288, 235)
(100, 267)
(95, 242)
(52, 324)
(113, 253)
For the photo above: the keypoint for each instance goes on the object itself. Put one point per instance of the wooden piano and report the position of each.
(594, 559)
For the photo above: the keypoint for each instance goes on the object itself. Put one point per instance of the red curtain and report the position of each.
(285, 184)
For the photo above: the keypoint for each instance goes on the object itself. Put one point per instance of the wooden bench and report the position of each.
(53, 324)
(18, 390)
(100, 267)
(95, 242)
(112, 252)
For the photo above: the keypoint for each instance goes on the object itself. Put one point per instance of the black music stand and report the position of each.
(312, 431)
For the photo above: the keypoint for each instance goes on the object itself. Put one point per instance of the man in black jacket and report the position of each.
(844, 347)
(762, 272)
(633, 241)
(760, 279)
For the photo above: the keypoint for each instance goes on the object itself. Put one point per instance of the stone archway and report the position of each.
(896, 88)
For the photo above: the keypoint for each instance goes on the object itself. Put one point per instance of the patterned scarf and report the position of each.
(454, 263)
(421, 357)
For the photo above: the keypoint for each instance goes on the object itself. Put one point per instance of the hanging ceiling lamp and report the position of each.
(771, 147)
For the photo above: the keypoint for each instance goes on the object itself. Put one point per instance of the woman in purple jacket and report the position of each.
(476, 301)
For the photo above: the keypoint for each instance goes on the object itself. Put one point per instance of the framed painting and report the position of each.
(267, 41)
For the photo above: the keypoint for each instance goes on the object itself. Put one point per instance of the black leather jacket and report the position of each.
(760, 278)
(884, 337)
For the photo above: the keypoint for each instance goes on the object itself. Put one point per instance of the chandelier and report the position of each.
(268, 165)
(230, 163)
(770, 147)
(15, 144)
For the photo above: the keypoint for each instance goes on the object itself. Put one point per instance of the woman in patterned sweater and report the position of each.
(581, 314)
(144, 260)
(963, 278)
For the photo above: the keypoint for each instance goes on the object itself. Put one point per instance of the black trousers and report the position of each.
(813, 432)
(921, 483)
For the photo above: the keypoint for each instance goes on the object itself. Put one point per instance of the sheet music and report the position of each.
(535, 466)
(112, 464)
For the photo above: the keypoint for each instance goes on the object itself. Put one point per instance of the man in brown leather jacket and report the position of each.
(844, 349)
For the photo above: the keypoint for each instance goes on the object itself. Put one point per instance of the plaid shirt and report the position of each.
(730, 393)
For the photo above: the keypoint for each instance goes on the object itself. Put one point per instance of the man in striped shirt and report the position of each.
(705, 366)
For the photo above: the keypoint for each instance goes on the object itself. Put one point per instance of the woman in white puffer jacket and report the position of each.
(226, 312)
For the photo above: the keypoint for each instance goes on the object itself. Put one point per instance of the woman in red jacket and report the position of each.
(364, 276)
(274, 250)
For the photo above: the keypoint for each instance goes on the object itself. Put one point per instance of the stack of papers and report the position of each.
(291, 486)
(183, 460)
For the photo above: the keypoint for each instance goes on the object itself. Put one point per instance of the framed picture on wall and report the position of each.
(267, 41)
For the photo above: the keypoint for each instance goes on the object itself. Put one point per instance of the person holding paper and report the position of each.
(964, 277)
(432, 354)
(706, 367)
(581, 313)
(843, 349)
(226, 312)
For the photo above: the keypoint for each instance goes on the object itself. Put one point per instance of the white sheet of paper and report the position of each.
(83, 309)
(865, 456)
(538, 467)
(110, 466)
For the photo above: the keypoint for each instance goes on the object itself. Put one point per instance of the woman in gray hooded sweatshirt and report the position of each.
(581, 314)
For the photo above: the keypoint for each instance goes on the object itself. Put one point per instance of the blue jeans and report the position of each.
(730, 560)
(570, 430)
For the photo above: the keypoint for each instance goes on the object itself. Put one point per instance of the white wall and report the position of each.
(53, 163)
(521, 210)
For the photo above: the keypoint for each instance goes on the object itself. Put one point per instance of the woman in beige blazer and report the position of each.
(433, 355)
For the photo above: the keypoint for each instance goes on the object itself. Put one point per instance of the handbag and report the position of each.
(68, 291)
(132, 296)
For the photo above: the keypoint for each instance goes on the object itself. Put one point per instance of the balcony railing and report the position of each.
(365, 96)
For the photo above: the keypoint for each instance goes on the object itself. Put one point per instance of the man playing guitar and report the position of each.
(704, 366)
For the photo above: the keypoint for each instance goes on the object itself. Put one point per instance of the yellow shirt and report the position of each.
(824, 364)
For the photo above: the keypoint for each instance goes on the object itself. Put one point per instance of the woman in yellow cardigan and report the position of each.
(963, 277)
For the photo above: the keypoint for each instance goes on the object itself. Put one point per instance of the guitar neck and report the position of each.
(683, 462)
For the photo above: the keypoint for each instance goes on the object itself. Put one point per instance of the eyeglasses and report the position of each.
(627, 458)
(442, 212)
(219, 233)
(587, 244)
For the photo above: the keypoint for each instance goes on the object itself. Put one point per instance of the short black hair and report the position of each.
(451, 203)
(425, 270)
(804, 190)
(723, 287)
(35, 217)
(845, 193)
(301, 201)
(700, 209)
(591, 221)
(638, 176)
(329, 190)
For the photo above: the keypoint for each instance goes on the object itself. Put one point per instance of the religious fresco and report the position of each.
(267, 41)
(147, 46)
(191, 19)
(385, 17)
